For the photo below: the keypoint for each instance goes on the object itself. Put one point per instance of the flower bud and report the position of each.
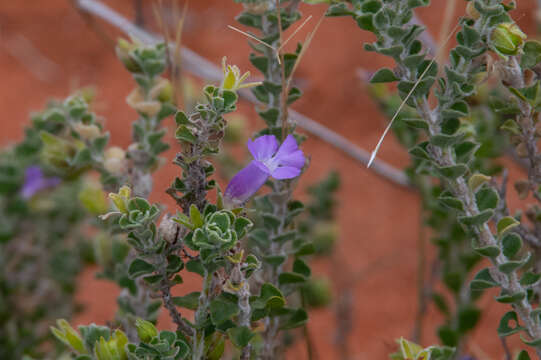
(149, 108)
(233, 80)
(168, 229)
(56, 151)
(121, 199)
(325, 235)
(507, 38)
(145, 330)
(162, 91)
(66, 334)
(93, 198)
(115, 161)
(123, 51)
(471, 11)
(87, 132)
(112, 349)
(317, 292)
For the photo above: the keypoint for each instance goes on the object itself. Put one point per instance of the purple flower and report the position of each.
(284, 162)
(35, 181)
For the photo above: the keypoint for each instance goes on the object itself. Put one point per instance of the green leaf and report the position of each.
(453, 171)
(419, 152)
(506, 298)
(489, 251)
(532, 54)
(487, 198)
(477, 180)
(384, 75)
(511, 244)
(195, 266)
(270, 297)
(442, 140)
(242, 225)
(274, 260)
(181, 118)
(478, 219)
(416, 123)
(483, 280)
(452, 202)
(240, 336)
(195, 217)
(221, 310)
(300, 267)
(190, 301)
(529, 279)
(534, 343)
(138, 204)
(140, 267)
(305, 249)
(286, 278)
(298, 318)
(468, 317)
(511, 266)
(505, 224)
(448, 336)
(505, 329)
(523, 355)
(184, 134)
(339, 9)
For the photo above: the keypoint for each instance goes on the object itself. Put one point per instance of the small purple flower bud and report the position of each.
(284, 162)
(35, 181)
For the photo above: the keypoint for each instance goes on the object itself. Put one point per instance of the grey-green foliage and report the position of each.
(275, 238)
(456, 259)
(42, 245)
(201, 134)
(449, 150)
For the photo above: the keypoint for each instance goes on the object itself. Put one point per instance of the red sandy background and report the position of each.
(379, 221)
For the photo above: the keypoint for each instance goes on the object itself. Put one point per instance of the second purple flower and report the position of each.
(270, 159)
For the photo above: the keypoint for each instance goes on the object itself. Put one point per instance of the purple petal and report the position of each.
(30, 189)
(246, 183)
(289, 154)
(35, 181)
(33, 172)
(286, 172)
(263, 147)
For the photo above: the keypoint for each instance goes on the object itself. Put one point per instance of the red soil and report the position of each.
(379, 221)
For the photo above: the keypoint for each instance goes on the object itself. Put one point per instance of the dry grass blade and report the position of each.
(442, 45)
(305, 47)
(294, 33)
(250, 36)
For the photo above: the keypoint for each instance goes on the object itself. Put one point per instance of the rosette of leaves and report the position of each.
(215, 235)
(95, 342)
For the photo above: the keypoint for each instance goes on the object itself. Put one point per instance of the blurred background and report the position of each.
(48, 49)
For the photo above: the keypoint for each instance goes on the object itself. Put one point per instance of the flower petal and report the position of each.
(289, 154)
(263, 147)
(246, 183)
(286, 172)
(35, 181)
